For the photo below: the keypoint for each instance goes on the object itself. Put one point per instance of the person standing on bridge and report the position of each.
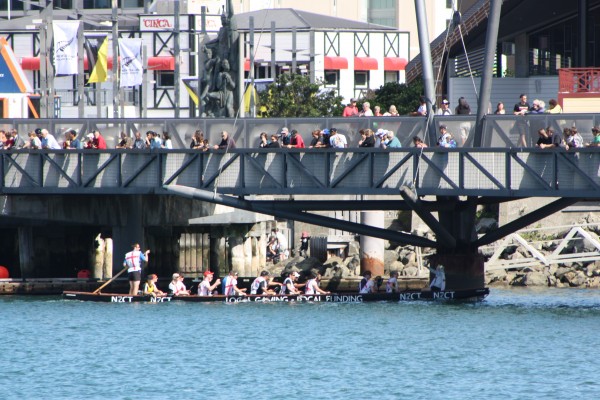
(99, 142)
(49, 141)
(227, 142)
(133, 263)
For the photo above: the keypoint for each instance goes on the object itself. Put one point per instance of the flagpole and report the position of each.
(115, 39)
(80, 66)
(177, 51)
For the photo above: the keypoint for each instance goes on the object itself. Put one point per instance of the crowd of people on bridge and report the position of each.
(334, 138)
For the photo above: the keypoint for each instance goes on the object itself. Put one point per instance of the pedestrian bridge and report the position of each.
(494, 172)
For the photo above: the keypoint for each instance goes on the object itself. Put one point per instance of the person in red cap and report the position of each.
(205, 288)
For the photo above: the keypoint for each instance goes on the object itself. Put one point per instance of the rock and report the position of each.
(535, 278)
(410, 271)
(485, 225)
(389, 257)
(396, 266)
(560, 272)
(353, 266)
(353, 249)
(518, 280)
(574, 278)
(498, 275)
(409, 259)
(594, 282)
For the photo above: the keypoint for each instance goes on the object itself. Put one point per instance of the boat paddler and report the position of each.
(150, 286)
(133, 262)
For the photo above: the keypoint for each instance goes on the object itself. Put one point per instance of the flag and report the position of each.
(130, 51)
(65, 47)
(97, 59)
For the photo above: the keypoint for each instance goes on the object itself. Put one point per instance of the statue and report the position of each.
(217, 95)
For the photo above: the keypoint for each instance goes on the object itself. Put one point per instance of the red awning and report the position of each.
(161, 63)
(335, 62)
(154, 63)
(365, 63)
(30, 63)
(394, 63)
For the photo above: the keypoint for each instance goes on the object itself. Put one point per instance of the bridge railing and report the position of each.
(499, 130)
(499, 172)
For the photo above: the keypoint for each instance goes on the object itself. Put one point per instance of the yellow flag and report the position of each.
(99, 73)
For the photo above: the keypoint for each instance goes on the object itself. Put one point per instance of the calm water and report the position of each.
(518, 344)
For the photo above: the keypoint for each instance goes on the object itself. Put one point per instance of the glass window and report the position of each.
(361, 79)
(165, 79)
(14, 4)
(391, 76)
(449, 3)
(331, 78)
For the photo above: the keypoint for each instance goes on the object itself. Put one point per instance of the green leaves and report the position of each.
(295, 96)
(404, 97)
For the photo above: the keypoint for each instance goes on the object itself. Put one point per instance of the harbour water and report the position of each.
(518, 344)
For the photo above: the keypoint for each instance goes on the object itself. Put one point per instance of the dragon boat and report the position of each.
(408, 295)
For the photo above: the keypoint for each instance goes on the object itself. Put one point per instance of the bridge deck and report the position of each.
(498, 172)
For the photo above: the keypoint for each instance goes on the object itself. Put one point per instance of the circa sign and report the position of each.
(161, 23)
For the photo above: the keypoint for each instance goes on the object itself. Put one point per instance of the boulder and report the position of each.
(410, 271)
(389, 257)
(486, 225)
(354, 249)
(535, 278)
(574, 278)
(396, 266)
(561, 271)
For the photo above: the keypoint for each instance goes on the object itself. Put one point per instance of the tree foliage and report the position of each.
(404, 97)
(294, 95)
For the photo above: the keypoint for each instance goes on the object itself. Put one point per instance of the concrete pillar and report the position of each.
(107, 267)
(372, 249)
(26, 251)
(132, 231)
(521, 57)
(463, 271)
(238, 260)
(463, 264)
(98, 257)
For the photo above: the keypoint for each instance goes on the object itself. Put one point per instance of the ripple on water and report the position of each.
(518, 344)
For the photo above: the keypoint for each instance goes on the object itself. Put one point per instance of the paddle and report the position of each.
(111, 279)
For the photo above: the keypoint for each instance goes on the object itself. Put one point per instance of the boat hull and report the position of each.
(411, 295)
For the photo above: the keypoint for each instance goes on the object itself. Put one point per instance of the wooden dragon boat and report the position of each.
(408, 295)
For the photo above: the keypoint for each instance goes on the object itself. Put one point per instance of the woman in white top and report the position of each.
(205, 288)
(167, 143)
(366, 111)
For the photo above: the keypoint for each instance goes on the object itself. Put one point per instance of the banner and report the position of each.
(130, 51)
(96, 49)
(65, 47)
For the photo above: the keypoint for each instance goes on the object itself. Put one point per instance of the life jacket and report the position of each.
(150, 287)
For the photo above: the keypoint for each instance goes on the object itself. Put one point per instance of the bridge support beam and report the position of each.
(26, 251)
(463, 264)
(129, 233)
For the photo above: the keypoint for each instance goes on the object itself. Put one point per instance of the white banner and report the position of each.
(130, 51)
(65, 47)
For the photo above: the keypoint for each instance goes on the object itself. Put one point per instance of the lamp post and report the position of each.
(115, 40)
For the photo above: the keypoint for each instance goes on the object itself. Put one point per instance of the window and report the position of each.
(14, 4)
(361, 79)
(449, 3)
(331, 78)
(165, 79)
(391, 76)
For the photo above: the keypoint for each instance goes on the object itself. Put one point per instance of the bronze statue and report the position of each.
(217, 94)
